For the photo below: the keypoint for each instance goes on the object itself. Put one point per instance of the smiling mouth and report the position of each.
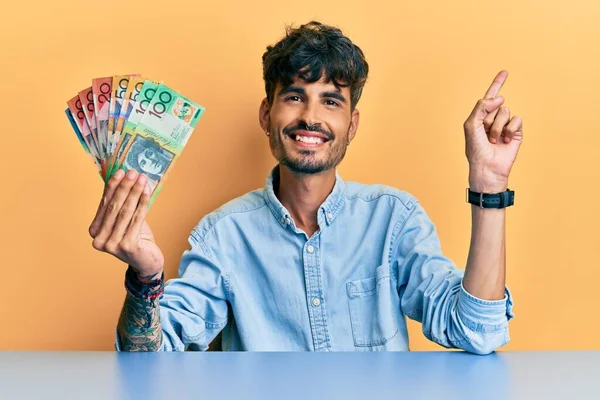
(308, 139)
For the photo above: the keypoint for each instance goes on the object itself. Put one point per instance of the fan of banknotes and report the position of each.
(129, 122)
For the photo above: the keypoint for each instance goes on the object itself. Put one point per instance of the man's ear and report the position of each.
(354, 120)
(264, 115)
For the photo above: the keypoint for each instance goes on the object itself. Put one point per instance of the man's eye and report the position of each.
(332, 103)
(294, 98)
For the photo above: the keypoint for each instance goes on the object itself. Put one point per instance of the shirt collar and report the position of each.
(327, 211)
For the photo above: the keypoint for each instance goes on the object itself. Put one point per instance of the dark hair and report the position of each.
(310, 50)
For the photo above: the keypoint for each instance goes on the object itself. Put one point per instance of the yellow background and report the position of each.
(430, 62)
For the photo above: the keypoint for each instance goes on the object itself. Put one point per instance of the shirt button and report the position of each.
(316, 302)
(310, 249)
(282, 220)
(288, 221)
(329, 216)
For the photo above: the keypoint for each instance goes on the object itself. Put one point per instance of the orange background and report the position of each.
(430, 62)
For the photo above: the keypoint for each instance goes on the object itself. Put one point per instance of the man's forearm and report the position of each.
(139, 325)
(486, 266)
(492, 141)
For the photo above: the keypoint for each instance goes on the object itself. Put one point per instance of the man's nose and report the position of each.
(310, 115)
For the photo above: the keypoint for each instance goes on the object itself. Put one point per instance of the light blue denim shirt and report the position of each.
(376, 258)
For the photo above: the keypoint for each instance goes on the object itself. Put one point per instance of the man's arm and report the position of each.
(193, 308)
(119, 228)
(431, 291)
(493, 139)
(471, 311)
(188, 315)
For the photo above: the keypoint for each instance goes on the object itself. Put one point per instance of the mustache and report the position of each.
(288, 130)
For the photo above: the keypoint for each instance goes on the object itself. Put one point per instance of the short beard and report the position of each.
(306, 166)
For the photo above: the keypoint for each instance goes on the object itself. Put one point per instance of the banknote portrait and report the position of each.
(147, 157)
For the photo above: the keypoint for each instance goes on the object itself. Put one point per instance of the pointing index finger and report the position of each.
(496, 85)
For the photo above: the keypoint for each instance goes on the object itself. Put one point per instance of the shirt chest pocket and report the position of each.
(374, 307)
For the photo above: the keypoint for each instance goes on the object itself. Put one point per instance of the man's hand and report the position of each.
(493, 139)
(120, 229)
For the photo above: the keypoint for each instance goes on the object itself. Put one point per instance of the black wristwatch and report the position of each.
(491, 200)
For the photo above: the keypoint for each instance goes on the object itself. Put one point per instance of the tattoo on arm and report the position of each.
(139, 325)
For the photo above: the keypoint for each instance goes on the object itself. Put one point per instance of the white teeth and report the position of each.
(309, 139)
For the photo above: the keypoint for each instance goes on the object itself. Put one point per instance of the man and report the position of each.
(311, 262)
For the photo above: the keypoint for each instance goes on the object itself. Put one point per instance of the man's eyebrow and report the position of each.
(298, 90)
(292, 89)
(335, 95)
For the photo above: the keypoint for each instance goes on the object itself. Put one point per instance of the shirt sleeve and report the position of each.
(431, 291)
(194, 306)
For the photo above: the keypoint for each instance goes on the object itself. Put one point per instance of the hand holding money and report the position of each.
(133, 129)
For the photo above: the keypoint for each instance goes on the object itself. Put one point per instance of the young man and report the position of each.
(311, 262)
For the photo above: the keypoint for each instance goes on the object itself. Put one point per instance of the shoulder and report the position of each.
(360, 192)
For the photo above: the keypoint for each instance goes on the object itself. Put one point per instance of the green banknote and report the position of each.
(158, 138)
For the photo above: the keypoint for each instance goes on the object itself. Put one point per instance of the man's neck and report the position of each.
(302, 195)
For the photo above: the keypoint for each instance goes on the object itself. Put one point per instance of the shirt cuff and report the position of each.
(485, 312)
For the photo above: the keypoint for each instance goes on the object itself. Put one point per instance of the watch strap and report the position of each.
(491, 200)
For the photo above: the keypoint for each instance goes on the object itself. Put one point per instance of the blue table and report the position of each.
(288, 376)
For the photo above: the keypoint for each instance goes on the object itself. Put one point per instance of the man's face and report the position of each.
(149, 162)
(310, 125)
